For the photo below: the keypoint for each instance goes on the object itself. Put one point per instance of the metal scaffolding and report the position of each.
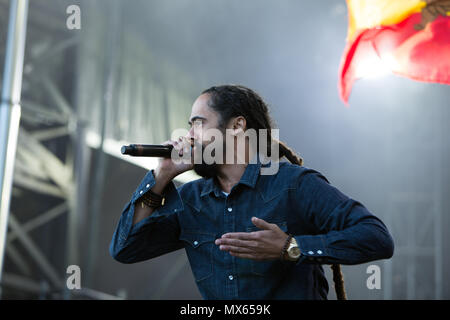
(10, 110)
(38, 167)
(96, 119)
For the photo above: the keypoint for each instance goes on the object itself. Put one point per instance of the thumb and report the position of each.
(261, 224)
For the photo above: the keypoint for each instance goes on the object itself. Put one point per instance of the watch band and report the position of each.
(286, 245)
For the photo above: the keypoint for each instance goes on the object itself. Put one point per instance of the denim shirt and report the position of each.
(328, 226)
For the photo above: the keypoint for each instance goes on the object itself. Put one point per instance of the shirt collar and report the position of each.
(249, 178)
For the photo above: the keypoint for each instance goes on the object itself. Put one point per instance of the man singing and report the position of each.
(248, 235)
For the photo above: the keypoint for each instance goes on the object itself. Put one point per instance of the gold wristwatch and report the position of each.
(293, 251)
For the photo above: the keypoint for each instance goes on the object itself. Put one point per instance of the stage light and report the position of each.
(372, 67)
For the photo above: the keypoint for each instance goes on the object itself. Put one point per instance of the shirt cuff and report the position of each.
(312, 249)
(146, 184)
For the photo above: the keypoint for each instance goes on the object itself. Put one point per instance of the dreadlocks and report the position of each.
(235, 100)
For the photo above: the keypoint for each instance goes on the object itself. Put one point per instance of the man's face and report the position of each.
(202, 119)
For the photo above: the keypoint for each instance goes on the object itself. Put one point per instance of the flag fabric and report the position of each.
(410, 38)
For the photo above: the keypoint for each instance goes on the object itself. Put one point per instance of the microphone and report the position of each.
(147, 150)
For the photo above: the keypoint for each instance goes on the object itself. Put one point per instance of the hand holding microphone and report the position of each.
(166, 166)
(164, 172)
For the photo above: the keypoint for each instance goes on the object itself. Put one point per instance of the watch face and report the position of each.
(294, 252)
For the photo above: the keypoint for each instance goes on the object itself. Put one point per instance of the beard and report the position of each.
(205, 170)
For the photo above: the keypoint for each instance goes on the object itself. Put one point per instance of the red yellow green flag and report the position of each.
(407, 37)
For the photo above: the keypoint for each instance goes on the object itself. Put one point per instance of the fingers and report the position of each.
(261, 224)
(174, 144)
(187, 146)
(236, 249)
(183, 145)
(240, 235)
(239, 248)
(177, 145)
(236, 243)
(168, 142)
(246, 245)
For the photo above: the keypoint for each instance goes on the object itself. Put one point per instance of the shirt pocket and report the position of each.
(268, 267)
(199, 249)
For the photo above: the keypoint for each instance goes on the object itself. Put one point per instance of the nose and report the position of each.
(189, 137)
(190, 134)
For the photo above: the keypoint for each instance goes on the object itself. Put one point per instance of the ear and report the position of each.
(239, 125)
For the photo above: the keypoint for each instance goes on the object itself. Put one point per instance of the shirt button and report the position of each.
(310, 252)
(141, 192)
(195, 243)
(319, 251)
(230, 209)
(147, 186)
(230, 277)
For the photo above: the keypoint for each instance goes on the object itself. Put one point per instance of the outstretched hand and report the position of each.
(265, 244)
